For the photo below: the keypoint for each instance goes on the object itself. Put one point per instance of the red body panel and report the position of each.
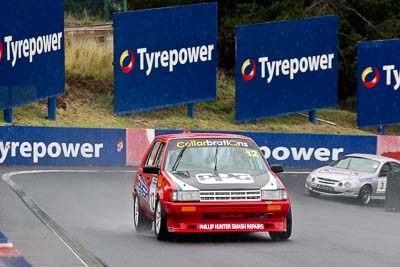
(226, 216)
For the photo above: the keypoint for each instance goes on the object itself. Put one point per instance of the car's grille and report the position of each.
(327, 181)
(236, 216)
(221, 196)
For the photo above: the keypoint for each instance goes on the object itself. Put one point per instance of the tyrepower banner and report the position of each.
(31, 51)
(286, 67)
(305, 150)
(378, 80)
(62, 146)
(164, 57)
(21, 145)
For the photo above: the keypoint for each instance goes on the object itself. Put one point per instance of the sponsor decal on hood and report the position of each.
(206, 180)
(341, 172)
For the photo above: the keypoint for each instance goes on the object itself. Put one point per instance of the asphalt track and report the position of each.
(93, 208)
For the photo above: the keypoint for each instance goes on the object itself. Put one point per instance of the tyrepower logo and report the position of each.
(287, 67)
(149, 61)
(375, 77)
(14, 50)
(371, 75)
(130, 58)
(302, 153)
(249, 76)
(39, 150)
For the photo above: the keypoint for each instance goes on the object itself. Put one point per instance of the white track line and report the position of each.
(6, 245)
(7, 178)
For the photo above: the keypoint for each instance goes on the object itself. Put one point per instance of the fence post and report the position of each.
(8, 115)
(51, 108)
(106, 10)
(312, 116)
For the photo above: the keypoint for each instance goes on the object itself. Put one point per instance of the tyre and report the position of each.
(140, 221)
(281, 236)
(160, 223)
(364, 197)
(313, 193)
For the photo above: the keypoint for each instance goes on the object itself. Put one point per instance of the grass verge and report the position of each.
(88, 102)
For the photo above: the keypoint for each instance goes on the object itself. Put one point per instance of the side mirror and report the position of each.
(151, 170)
(383, 174)
(277, 168)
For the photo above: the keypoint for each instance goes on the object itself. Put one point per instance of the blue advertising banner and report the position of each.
(164, 57)
(378, 80)
(286, 67)
(305, 150)
(31, 51)
(62, 146)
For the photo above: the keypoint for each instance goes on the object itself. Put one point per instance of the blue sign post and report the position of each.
(165, 57)
(378, 80)
(31, 53)
(286, 67)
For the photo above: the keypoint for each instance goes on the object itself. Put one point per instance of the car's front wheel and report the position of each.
(160, 223)
(140, 222)
(364, 197)
(280, 236)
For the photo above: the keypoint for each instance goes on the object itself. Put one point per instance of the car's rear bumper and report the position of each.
(257, 216)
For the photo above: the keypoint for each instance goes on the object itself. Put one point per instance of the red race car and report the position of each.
(196, 183)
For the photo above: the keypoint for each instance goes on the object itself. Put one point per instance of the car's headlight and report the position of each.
(347, 184)
(185, 196)
(274, 194)
(310, 177)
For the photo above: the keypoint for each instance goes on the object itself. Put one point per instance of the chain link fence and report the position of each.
(95, 9)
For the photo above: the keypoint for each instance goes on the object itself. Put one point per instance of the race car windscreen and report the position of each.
(213, 155)
(357, 164)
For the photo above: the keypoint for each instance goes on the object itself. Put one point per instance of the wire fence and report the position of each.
(98, 9)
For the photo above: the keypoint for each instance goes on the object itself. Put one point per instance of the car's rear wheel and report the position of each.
(364, 197)
(140, 222)
(160, 223)
(313, 193)
(280, 236)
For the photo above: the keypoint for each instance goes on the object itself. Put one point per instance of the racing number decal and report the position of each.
(381, 185)
(148, 193)
(252, 153)
(153, 194)
(142, 188)
(224, 178)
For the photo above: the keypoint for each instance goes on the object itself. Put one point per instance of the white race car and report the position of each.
(361, 176)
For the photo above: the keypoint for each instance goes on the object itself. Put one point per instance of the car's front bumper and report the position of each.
(332, 190)
(254, 216)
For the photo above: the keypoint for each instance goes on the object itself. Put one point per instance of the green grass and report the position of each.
(85, 104)
(88, 102)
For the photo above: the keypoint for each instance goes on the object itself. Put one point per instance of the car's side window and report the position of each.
(395, 166)
(157, 161)
(150, 157)
(385, 170)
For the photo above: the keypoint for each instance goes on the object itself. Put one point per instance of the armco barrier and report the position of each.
(305, 150)
(20, 145)
(62, 146)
